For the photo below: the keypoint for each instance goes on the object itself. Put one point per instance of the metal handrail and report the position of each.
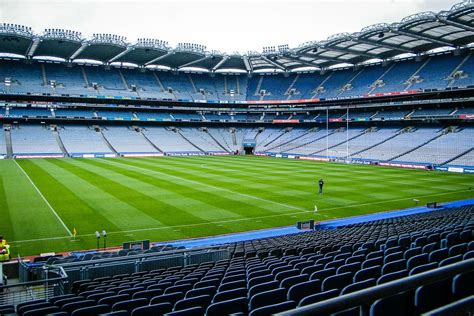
(371, 294)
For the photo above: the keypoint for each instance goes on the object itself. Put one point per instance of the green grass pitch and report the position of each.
(169, 198)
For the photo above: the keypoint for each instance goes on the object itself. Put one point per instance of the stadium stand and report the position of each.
(290, 271)
(34, 139)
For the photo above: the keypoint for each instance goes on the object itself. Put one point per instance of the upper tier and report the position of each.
(409, 76)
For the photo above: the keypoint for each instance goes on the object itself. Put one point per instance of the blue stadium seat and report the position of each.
(187, 312)
(394, 266)
(92, 310)
(438, 255)
(338, 281)
(198, 301)
(229, 295)
(318, 297)
(358, 286)
(228, 307)
(368, 273)
(129, 305)
(152, 310)
(298, 291)
(416, 261)
(431, 296)
(399, 304)
(273, 309)
(70, 307)
(263, 287)
(423, 268)
(392, 276)
(171, 298)
(458, 249)
(450, 260)
(267, 298)
(322, 274)
(292, 280)
(462, 285)
(41, 311)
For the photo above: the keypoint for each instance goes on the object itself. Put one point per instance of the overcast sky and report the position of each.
(224, 25)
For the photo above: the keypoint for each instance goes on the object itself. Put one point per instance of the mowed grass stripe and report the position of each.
(184, 198)
(259, 185)
(304, 195)
(217, 196)
(120, 216)
(163, 211)
(338, 172)
(73, 209)
(24, 205)
(240, 176)
(181, 176)
(362, 188)
(6, 226)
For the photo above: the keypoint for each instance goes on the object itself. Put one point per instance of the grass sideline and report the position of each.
(171, 198)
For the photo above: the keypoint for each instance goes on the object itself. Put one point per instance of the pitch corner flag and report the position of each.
(74, 232)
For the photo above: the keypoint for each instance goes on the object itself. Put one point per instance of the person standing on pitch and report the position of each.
(321, 183)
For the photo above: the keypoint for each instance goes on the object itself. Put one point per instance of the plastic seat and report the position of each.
(171, 298)
(209, 290)
(42, 311)
(259, 280)
(197, 301)
(298, 291)
(462, 285)
(263, 287)
(378, 261)
(423, 268)
(228, 307)
(273, 309)
(70, 307)
(111, 300)
(232, 285)
(393, 257)
(412, 252)
(368, 273)
(267, 298)
(318, 297)
(416, 261)
(193, 311)
(148, 294)
(438, 255)
(285, 274)
(358, 286)
(322, 274)
(129, 305)
(392, 276)
(450, 260)
(396, 305)
(338, 281)
(458, 249)
(92, 310)
(290, 281)
(152, 310)
(394, 266)
(431, 296)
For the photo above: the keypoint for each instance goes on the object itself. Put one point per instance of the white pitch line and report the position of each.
(207, 185)
(244, 219)
(44, 199)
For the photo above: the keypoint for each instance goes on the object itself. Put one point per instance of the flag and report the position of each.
(74, 232)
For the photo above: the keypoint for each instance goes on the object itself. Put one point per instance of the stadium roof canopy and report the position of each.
(413, 35)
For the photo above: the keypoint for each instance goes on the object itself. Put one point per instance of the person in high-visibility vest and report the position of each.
(4, 250)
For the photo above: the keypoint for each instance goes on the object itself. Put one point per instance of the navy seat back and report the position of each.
(201, 301)
(129, 305)
(91, 310)
(290, 281)
(273, 309)
(298, 291)
(338, 281)
(463, 285)
(228, 307)
(262, 288)
(229, 295)
(318, 297)
(368, 273)
(392, 276)
(358, 286)
(399, 304)
(267, 298)
(152, 310)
